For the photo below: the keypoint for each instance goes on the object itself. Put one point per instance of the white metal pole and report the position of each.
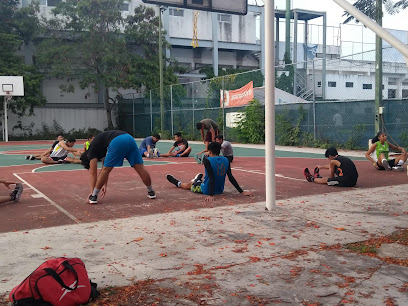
(377, 29)
(270, 105)
(5, 120)
(171, 110)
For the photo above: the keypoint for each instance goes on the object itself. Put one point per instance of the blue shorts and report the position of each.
(122, 146)
(142, 151)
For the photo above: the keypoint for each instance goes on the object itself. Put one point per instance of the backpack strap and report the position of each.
(56, 276)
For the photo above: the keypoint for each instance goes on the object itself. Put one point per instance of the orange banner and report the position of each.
(237, 97)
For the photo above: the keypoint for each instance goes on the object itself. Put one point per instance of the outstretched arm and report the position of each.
(368, 155)
(6, 183)
(236, 185)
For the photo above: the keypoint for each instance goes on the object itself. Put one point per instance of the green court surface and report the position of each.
(14, 155)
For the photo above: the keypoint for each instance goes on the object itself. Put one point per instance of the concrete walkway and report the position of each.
(289, 256)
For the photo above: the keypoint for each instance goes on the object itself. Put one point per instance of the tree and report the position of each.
(91, 42)
(17, 28)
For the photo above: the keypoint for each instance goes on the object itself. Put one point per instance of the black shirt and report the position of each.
(347, 167)
(183, 142)
(99, 146)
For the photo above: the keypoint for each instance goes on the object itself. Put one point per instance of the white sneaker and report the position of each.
(155, 153)
(398, 168)
(150, 153)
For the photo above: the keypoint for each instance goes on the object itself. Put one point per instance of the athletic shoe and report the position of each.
(32, 157)
(197, 178)
(172, 179)
(398, 168)
(27, 156)
(385, 165)
(308, 176)
(93, 199)
(316, 173)
(16, 193)
(150, 155)
(156, 153)
(197, 158)
(151, 194)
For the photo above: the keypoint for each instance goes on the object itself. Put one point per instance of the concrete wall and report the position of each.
(67, 118)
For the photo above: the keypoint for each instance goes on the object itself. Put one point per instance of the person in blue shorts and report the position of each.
(216, 169)
(148, 146)
(113, 146)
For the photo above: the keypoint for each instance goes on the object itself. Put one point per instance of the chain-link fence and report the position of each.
(331, 101)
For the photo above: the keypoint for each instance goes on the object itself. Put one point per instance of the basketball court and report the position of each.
(57, 194)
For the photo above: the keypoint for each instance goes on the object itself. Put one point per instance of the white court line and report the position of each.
(257, 172)
(49, 200)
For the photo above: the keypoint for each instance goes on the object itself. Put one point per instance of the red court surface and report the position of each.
(60, 197)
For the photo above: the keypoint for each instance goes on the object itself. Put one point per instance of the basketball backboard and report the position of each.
(11, 86)
(236, 7)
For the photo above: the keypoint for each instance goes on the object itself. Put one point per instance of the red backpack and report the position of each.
(59, 281)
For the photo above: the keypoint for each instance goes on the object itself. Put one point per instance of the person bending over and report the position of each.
(113, 146)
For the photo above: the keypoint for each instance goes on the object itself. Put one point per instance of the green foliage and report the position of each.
(50, 132)
(90, 42)
(404, 139)
(354, 139)
(286, 133)
(17, 27)
(251, 124)
(284, 81)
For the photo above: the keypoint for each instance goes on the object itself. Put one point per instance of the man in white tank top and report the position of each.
(60, 153)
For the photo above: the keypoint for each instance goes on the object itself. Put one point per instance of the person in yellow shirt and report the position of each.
(87, 144)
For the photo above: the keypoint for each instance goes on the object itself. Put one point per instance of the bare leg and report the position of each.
(186, 152)
(144, 175)
(186, 186)
(73, 160)
(4, 199)
(103, 177)
(48, 160)
(320, 180)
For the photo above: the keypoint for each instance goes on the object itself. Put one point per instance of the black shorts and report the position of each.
(58, 158)
(342, 181)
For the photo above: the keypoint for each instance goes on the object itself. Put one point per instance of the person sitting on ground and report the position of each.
(60, 153)
(181, 146)
(148, 146)
(216, 168)
(226, 148)
(14, 195)
(381, 149)
(86, 144)
(113, 147)
(343, 172)
(48, 152)
(212, 131)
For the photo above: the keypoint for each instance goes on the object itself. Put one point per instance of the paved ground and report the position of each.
(244, 254)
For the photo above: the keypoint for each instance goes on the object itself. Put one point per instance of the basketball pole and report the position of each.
(270, 180)
(6, 98)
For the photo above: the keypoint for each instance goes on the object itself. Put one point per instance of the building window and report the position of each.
(349, 84)
(405, 82)
(367, 86)
(405, 93)
(392, 81)
(392, 93)
(224, 18)
(332, 84)
(25, 3)
(176, 12)
(124, 7)
(319, 84)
